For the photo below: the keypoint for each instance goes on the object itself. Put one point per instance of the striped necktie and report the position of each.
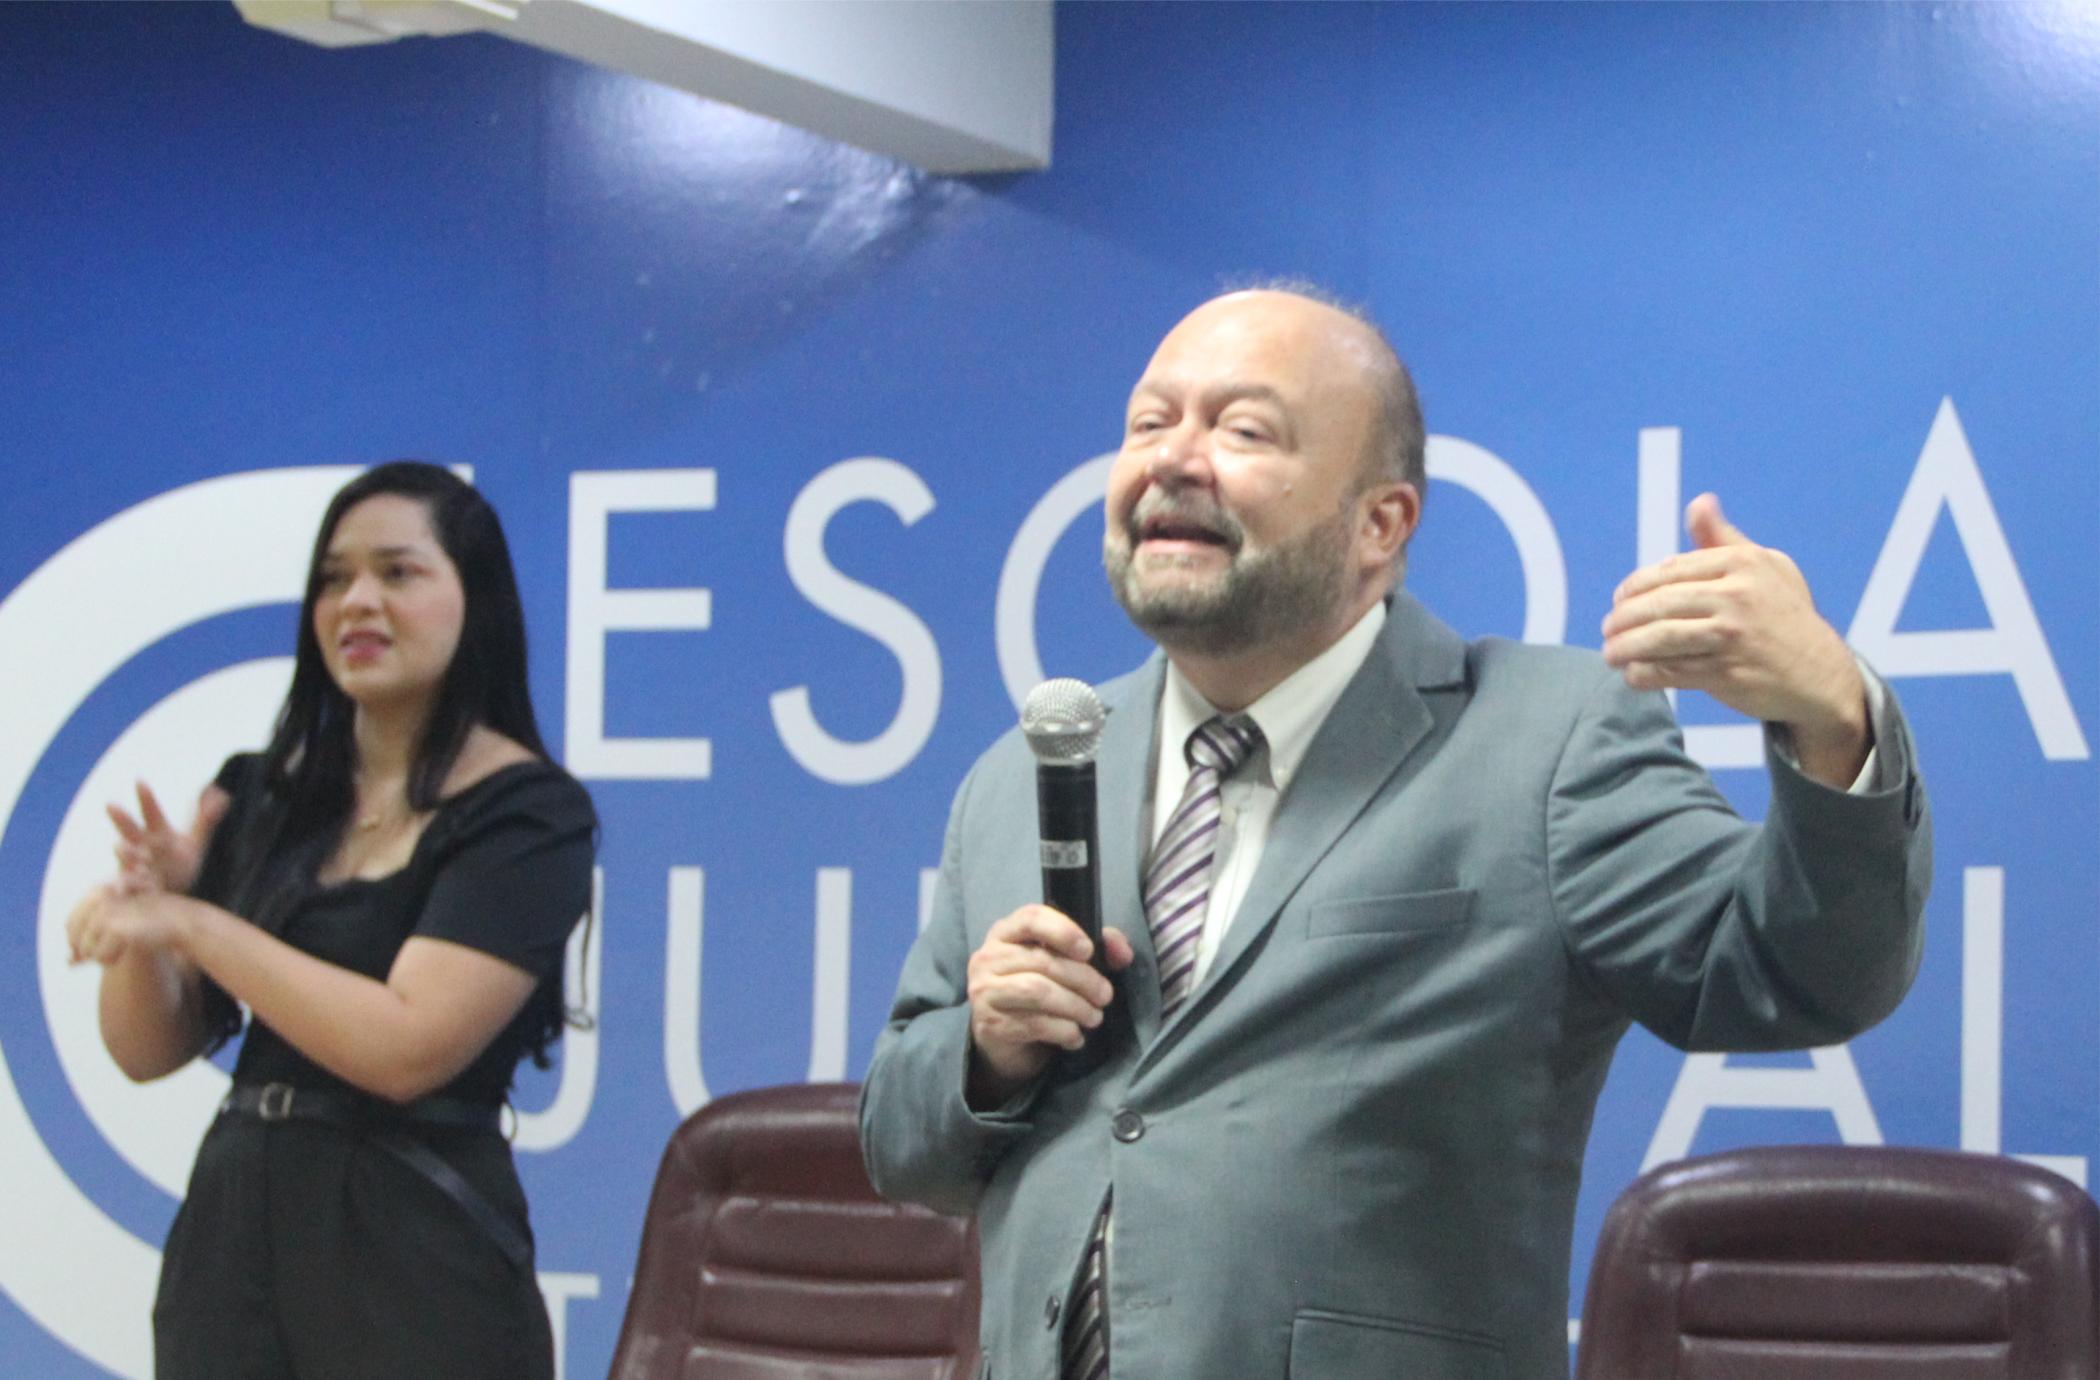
(1177, 879)
(1177, 895)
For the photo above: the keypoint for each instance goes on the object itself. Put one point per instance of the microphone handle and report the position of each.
(1071, 846)
(1071, 857)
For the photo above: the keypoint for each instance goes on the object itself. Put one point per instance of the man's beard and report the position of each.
(1264, 596)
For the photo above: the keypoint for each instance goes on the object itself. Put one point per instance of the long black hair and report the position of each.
(312, 756)
(308, 770)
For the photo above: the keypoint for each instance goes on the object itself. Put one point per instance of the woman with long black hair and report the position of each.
(387, 890)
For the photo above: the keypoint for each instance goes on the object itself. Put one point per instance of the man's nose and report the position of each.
(1181, 455)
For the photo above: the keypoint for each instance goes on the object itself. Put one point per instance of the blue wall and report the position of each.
(1789, 232)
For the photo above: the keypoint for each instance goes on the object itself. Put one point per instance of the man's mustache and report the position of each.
(1188, 514)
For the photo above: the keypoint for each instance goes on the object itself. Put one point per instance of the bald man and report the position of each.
(1381, 903)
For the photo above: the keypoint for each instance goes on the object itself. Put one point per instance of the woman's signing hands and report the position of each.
(152, 854)
(156, 864)
(110, 922)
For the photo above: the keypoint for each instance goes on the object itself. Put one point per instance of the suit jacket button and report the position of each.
(1127, 1125)
(1051, 1308)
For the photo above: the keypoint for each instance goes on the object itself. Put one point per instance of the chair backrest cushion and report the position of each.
(1845, 1263)
(767, 1255)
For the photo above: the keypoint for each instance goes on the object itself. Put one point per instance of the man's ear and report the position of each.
(1391, 512)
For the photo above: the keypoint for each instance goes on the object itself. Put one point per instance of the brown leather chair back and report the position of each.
(767, 1255)
(1845, 1263)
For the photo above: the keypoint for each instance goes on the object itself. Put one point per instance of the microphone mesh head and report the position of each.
(1062, 721)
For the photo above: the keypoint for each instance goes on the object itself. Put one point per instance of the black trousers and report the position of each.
(304, 1252)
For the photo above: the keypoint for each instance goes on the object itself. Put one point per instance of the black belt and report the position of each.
(386, 1125)
(286, 1102)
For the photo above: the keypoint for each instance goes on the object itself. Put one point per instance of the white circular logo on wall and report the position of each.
(193, 553)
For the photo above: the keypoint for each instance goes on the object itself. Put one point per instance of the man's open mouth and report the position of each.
(1169, 529)
(1184, 523)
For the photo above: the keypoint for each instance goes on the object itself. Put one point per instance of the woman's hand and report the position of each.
(112, 921)
(149, 1008)
(152, 854)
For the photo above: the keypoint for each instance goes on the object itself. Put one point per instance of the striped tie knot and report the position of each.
(1177, 878)
(1221, 745)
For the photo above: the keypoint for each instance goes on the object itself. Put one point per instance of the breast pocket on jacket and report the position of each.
(1416, 912)
(1345, 1346)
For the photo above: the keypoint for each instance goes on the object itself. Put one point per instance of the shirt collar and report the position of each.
(1291, 713)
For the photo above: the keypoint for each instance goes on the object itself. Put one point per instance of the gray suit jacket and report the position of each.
(1355, 1150)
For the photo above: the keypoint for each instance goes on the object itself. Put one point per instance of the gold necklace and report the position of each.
(369, 823)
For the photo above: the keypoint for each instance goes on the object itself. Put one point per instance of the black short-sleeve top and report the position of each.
(503, 866)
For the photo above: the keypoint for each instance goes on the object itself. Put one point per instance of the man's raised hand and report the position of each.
(1736, 620)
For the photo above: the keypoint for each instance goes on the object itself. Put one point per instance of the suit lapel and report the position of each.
(1123, 774)
(1376, 725)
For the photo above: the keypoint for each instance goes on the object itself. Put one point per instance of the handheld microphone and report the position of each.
(1062, 721)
